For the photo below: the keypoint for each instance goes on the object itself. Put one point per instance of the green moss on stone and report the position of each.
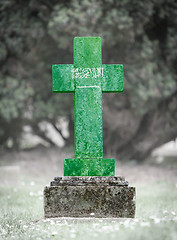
(89, 167)
(87, 78)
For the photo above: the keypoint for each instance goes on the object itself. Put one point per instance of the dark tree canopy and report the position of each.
(139, 34)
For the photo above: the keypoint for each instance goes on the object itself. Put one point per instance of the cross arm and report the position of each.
(112, 80)
(63, 78)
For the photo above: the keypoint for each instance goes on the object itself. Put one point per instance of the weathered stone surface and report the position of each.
(84, 181)
(89, 197)
(89, 167)
(87, 78)
(61, 72)
(112, 80)
(88, 116)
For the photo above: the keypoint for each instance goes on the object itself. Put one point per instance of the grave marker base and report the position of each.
(89, 167)
(99, 197)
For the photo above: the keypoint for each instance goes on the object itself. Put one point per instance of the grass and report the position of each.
(21, 216)
(21, 202)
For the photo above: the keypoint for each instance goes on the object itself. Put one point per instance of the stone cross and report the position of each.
(88, 78)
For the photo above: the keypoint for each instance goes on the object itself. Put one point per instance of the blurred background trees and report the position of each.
(139, 34)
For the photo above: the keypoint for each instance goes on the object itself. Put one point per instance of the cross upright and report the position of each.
(88, 78)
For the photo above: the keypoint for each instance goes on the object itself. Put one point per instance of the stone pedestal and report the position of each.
(103, 197)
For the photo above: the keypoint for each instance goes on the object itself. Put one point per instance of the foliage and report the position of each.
(35, 34)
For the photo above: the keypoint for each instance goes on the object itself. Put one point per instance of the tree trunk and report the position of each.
(156, 127)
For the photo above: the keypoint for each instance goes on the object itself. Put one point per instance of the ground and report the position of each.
(24, 174)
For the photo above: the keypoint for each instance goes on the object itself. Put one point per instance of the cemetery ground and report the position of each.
(24, 174)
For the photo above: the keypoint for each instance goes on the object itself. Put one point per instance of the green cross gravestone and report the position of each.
(88, 78)
(88, 187)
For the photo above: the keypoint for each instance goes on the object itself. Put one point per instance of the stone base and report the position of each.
(89, 167)
(102, 197)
